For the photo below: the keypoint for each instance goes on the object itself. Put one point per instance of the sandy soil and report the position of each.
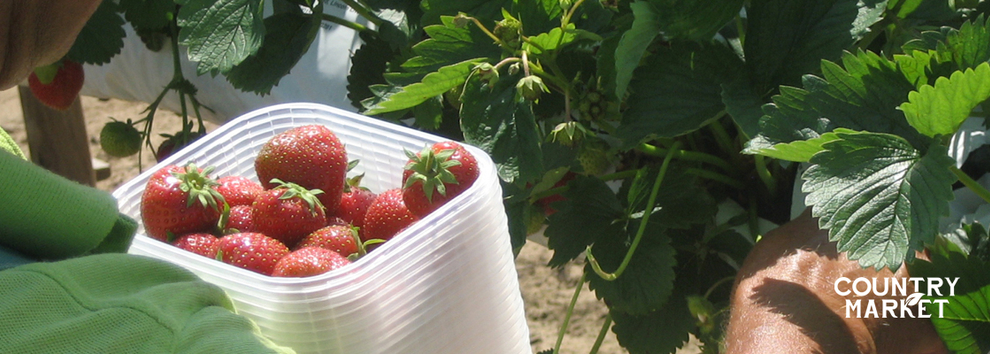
(546, 291)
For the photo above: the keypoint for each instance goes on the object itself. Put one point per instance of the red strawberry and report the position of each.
(436, 175)
(181, 201)
(354, 202)
(546, 202)
(58, 84)
(309, 261)
(310, 156)
(288, 212)
(241, 218)
(252, 251)
(337, 238)
(199, 243)
(238, 190)
(386, 216)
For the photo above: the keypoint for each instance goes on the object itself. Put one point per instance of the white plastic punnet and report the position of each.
(446, 284)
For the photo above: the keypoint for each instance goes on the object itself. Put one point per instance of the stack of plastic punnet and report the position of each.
(446, 284)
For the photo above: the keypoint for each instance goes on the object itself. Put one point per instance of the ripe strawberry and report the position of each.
(436, 175)
(546, 202)
(199, 243)
(309, 261)
(241, 218)
(57, 85)
(310, 156)
(288, 212)
(354, 202)
(180, 200)
(338, 238)
(120, 139)
(238, 190)
(252, 251)
(386, 216)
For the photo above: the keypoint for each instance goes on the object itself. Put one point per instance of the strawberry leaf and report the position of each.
(288, 36)
(964, 323)
(220, 34)
(880, 198)
(495, 119)
(941, 109)
(647, 281)
(148, 14)
(634, 42)
(588, 212)
(433, 84)
(661, 331)
(798, 150)
(677, 91)
(101, 38)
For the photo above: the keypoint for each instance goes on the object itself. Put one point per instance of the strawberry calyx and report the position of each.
(46, 74)
(293, 190)
(199, 186)
(432, 169)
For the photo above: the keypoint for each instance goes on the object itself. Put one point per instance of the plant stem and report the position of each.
(725, 141)
(717, 177)
(686, 155)
(349, 24)
(712, 288)
(765, 176)
(650, 204)
(601, 334)
(564, 21)
(487, 32)
(971, 184)
(363, 11)
(567, 315)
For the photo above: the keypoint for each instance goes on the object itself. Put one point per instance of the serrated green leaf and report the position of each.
(941, 109)
(148, 14)
(743, 104)
(287, 39)
(680, 203)
(647, 281)
(879, 197)
(448, 45)
(634, 42)
(785, 40)
(556, 39)
(661, 331)
(220, 33)
(694, 20)
(429, 114)
(798, 150)
(502, 123)
(101, 38)
(964, 322)
(922, 67)
(433, 84)
(434, 10)
(537, 16)
(367, 65)
(588, 212)
(970, 45)
(677, 91)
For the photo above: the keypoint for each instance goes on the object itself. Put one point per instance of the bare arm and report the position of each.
(37, 32)
(784, 301)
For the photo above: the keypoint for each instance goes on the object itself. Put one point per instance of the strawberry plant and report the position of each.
(681, 125)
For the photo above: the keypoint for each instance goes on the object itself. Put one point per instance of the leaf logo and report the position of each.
(913, 299)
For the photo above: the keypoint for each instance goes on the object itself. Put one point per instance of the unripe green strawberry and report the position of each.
(594, 157)
(531, 87)
(120, 139)
(508, 30)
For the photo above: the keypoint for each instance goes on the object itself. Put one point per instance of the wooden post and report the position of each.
(57, 140)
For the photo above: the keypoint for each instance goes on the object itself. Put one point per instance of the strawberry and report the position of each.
(120, 139)
(180, 200)
(435, 175)
(252, 251)
(57, 85)
(238, 190)
(241, 219)
(338, 238)
(203, 244)
(354, 202)
(309, 261)
(310, 156)
(176, 142)
(288, 212)
(386, 216)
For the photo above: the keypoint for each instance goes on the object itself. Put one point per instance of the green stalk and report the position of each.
(567, 315)
(725, 142)
(717, 177)
(971, 184)
(764, 174)
(349, 24)
(601, 334)
(363, 11)
(686, 155)
(650, 204)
